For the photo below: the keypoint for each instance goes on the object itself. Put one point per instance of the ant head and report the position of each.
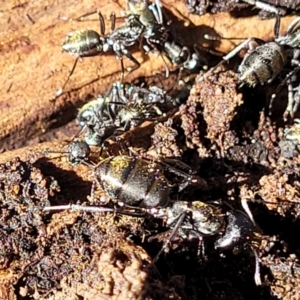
(78, 151)
(239, 230)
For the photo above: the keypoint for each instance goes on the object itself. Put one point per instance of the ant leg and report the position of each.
(96, 209)
(293, 98)
(120, 57)
(166, 66)
(287, 81)
(171, 236)
(159, 11)
(157, 111)
(231, 54)
(246, 208)
(156, 11)
(289, 107)
(114, 95)
(277, 26)
(127, 125)
(263, 6)
(72, 71)
(296, 100)
(257, 278)
(78, 207)
(122, 69)
(130, 57)
(101, 150)
(60, 91)
(167, 163)
(113, 21)
(114, 100)
(292, 26)
(246, 44)
(152, 48)
(185, 172)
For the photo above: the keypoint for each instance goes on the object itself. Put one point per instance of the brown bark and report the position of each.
(33, 66)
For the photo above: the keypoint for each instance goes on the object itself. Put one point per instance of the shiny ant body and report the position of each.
(158, 36)
(123, 107)
(191, 221)
(87, 43)
(263, 63)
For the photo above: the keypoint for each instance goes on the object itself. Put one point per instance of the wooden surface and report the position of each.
(33, 66)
